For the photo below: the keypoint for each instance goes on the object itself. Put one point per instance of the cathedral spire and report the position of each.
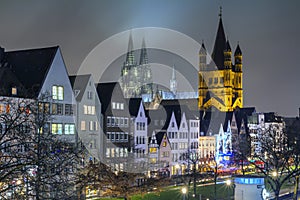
(130, 53)
(144, 55)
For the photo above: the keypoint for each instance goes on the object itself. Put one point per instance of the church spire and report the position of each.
(173, 82)
(202, 57)
(220, 42)
(144, 55)
(130, 53)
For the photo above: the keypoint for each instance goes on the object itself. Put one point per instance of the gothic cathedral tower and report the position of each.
(136, 79)
(220, 82)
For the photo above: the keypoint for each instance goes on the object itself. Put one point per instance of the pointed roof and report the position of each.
(153, 142)
(211, 120)
(79, 83)
(202, 50)
(130, 53)
(160, 136)
(218, 51)
(238, 50)
(134, 106)
(144, 55)
(107, 93)
(30, 68)
(227, 46)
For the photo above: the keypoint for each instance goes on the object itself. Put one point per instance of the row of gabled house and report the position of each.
(126, 134)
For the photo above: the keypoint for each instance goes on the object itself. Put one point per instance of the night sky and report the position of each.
(268, 32)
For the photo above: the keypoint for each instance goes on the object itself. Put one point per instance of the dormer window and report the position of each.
(76, 92)
(14, 90)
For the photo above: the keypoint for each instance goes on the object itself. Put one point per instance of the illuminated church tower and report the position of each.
(136, 79)
(220, 81)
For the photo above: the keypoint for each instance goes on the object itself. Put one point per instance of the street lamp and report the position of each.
(184, 191)
(228, 183)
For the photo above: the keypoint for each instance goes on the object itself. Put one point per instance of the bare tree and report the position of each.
(241, 151)
(280, 157)
(33, 161)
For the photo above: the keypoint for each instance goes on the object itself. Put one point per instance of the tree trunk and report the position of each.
(194, 171)
(276, 194)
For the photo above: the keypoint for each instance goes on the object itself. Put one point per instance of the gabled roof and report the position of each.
(79, 83)
(134, 105)
(159, 137)
(210, 121)
(178, 107)
(108, 92)
(29, 67)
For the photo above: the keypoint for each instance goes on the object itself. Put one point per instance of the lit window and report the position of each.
(85, 108)
(88, 110)
(57, 109)
(57, 92)
(54, 92)
(2, 108)
(122, 106)
(107, 152)
(82, 126)
(57, 129)
(14, 90)
(153, 160)
(91, 126)
(152, 150)
(164, 144)
(69, 129)
(93, 110)
(60, 93)
(96, 126)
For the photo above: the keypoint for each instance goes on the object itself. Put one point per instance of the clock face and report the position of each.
(264, 194)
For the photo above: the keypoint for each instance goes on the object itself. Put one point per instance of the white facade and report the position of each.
(89, 118)
(172, 132)
(58, 92)
(183, 139)
(140, 134)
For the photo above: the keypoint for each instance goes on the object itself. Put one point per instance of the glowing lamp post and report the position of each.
(184, 191)
(228, 183)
